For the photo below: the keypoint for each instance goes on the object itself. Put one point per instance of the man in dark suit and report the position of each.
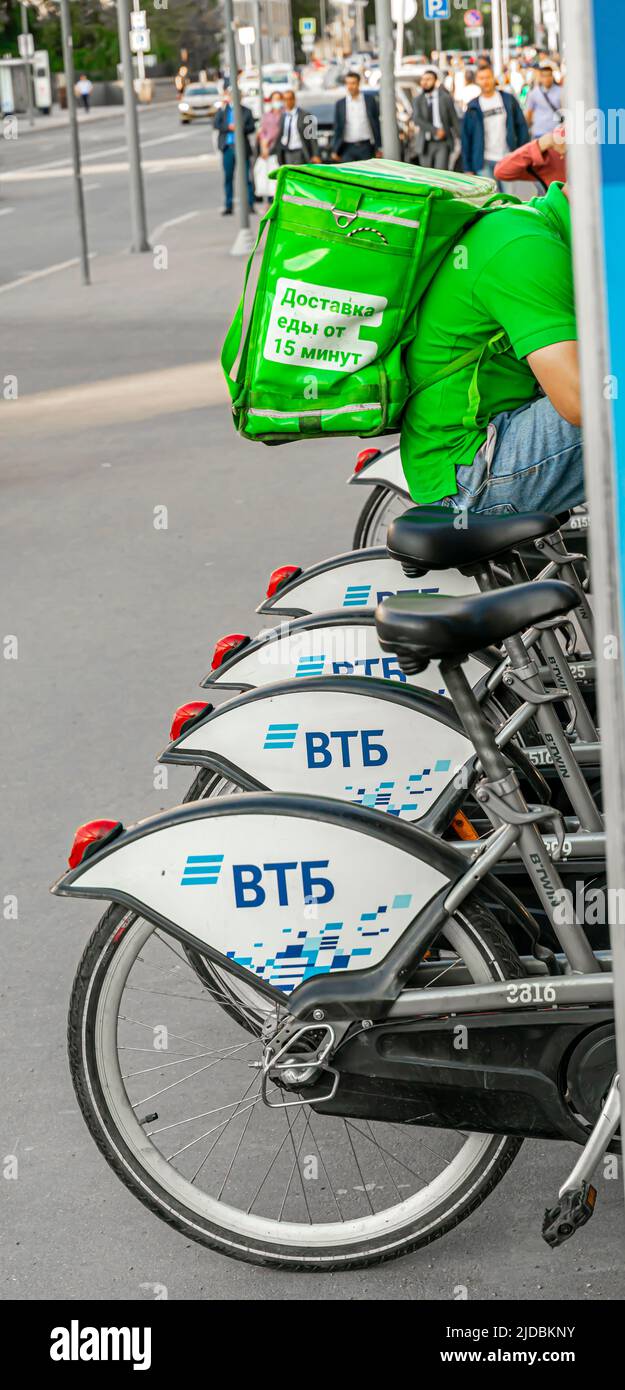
(357, 133)
(436, 121)
(224, 125)
(296, 141)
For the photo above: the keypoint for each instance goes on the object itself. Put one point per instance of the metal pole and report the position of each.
(505, 44)
(384, 26)
(140, 57)
(438, 37)
(495, 15)
(29, 71)
(259, 41)
(70, 79)
(137, 198)
(538, 22)
(399, 38)
(323, 21)
(583, 160)
(243, 241)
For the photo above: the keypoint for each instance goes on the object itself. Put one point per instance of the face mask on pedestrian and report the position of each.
(277, 105)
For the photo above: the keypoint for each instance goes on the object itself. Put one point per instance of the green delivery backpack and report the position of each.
(350, 251)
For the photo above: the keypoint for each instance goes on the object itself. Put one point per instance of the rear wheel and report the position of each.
(381, 507)
(169, 1085)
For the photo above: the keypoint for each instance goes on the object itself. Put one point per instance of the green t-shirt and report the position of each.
(512, 271)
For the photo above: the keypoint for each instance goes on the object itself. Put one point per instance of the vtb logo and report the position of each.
(253, 884)
(359, 595)
(338, 746)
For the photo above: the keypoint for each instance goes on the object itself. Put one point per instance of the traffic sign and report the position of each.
(26, 45)
(246, 36)
(137, 19)
(139, 40)
(436, 9)
(409, 8)
(308, 26)
(473, 19)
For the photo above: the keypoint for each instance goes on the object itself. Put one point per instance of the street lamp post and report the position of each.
(137, 197)
(505, 38)
(29, 72)
(384, 26)
(259, 42)
(495, 15)
(70, 80)
(243, 241)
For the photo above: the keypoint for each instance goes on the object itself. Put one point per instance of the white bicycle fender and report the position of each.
(326, 644)
(364, 741)
(359, 579)
(385, 471)
(284, 887)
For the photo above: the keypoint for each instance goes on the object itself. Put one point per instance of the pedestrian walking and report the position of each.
(84, 89)
(357, 132)
(543, 108)
(493, 126)
(436, 123)
(267, 161)
(296, 140)
(224, 125)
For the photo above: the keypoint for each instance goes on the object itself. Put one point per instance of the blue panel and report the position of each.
(609, 22)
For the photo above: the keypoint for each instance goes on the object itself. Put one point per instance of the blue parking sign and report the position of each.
(436, 9)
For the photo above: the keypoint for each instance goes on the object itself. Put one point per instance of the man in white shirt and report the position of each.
(84, 89)
(467, 90)
(493, 126)
(357, 133)
(296, 141)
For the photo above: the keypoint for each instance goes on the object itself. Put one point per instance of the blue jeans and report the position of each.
(229, 160)
(530, 461)
(488, 172)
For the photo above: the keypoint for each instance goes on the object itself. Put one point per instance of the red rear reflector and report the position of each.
(90, 834)
(365, 456)
(186, 714)
(281, 576)
(227, 646)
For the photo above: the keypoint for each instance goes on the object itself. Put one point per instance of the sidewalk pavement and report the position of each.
(134, 318)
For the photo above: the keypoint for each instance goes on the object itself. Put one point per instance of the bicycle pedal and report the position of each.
(573, 1210)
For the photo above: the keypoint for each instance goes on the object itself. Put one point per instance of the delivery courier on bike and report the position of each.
(499, 434)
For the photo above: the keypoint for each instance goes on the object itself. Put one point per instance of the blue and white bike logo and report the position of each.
(201, 870)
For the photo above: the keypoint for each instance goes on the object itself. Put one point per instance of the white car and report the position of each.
(199, 99)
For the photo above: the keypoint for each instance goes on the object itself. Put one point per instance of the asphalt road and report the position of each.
(121, 410)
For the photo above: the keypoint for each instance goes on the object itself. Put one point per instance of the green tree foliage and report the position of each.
(176, 24)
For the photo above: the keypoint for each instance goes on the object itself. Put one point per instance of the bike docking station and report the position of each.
(371, 913)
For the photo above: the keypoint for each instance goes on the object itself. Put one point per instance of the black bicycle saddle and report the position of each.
(432, 627)
(431, 538)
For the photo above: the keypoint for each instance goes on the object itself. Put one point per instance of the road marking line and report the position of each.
(101, 154)
(173, 222)
(4, 212)
(149, 166)
(39, 274)
(118, 400)
(90, 186)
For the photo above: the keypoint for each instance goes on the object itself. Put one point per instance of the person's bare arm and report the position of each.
(556, 368)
